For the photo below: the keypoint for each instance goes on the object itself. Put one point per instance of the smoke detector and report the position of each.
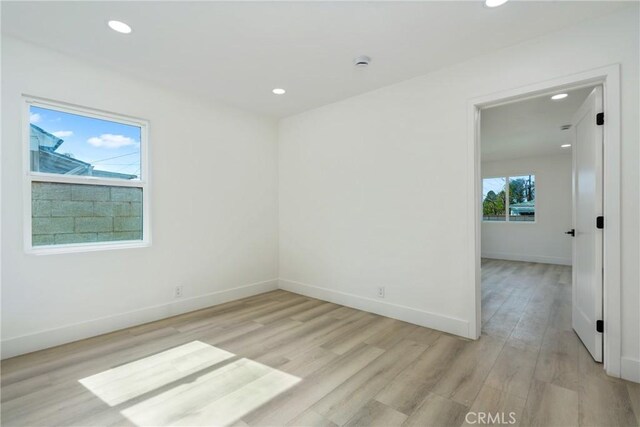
(362, 61)
(565, 127)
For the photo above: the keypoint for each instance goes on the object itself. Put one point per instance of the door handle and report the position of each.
(571, 232)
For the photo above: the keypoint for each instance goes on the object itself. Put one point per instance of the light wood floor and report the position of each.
(284, 359)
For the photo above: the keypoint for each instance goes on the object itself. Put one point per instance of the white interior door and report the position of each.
(587, 206)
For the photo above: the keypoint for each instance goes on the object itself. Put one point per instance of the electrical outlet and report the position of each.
(381, 292)
(178, 293)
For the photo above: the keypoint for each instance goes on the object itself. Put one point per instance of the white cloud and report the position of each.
(35, 117)
(62, 133)
(108, 140)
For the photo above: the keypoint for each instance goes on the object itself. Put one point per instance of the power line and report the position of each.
(115, 157)
(120, 164)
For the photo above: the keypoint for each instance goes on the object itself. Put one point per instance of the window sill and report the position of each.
(85, 247)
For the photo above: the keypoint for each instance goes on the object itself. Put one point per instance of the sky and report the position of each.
(492, 184)
(109, 146)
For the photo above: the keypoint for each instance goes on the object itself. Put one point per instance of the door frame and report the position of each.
(609, 78)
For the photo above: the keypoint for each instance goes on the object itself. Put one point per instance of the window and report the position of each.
(494, 199)
(86, 179)
(522, 198)
(515, 202)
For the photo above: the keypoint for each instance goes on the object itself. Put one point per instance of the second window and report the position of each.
(509, 198)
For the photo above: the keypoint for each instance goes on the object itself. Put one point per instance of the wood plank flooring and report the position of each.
(284, 359)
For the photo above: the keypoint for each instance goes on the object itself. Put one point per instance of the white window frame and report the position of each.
(30, 177)
(507, 203)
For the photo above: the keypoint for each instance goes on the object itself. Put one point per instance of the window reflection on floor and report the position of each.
(193, 384)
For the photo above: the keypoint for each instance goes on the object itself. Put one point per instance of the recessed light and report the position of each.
(119, 26)
(565, 146)
(279, 91)
(559, 96)
(494, 3)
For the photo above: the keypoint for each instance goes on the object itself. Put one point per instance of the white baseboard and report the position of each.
(69, 333)
(630, 369)
(407, 314)
(527, 258)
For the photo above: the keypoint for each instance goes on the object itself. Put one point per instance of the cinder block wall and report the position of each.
(72, 213)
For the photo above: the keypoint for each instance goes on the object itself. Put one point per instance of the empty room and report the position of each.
(320, 213)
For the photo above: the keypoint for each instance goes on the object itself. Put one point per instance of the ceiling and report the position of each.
(530, 127)
(237, 52)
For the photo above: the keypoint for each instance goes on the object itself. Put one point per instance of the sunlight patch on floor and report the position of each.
(218, 398)
(133, 379)
(211, 396)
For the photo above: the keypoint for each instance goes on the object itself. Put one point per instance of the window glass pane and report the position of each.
(522, 198)
(494, 199)
(71, 144)
(75, 213)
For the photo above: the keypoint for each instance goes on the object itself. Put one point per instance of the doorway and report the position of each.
(523, 211)
(530, 164)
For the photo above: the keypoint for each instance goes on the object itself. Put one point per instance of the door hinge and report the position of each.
(600, 326)
(600, 119)
(600, 222)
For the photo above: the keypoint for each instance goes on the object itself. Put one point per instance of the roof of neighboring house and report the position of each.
(43, 139)
(529, 203)
(529, 206)
(49, 161)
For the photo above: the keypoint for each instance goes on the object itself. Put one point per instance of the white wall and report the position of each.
(217, 164)
(374, 190)
(543, 240)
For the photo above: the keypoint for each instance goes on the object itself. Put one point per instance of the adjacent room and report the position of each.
(537, 269)
(320, 213)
